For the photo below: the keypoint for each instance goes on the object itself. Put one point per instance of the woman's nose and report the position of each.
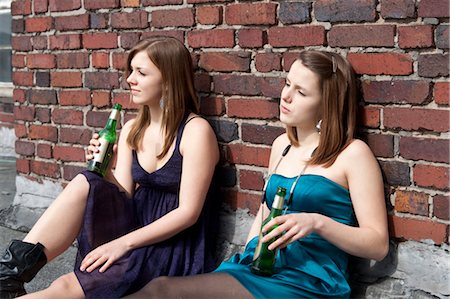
(130, 79)
(286, 95)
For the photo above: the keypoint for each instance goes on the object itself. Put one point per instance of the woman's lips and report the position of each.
(284, 109)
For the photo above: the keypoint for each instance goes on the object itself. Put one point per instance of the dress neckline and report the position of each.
(316, 176)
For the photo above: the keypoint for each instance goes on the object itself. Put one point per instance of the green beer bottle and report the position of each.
(263, 258)
(107, 138)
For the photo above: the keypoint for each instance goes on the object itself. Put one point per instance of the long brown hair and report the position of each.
(174, 62)
(338, 106)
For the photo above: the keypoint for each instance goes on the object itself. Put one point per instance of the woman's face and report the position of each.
(145, 80)
(300, 97)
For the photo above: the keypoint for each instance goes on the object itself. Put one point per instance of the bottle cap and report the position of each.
(117, 107)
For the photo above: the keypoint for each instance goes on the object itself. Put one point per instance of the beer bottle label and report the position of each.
(103, 149)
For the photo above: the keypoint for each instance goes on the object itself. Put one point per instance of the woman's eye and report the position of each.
(287, 83)
(300, 92)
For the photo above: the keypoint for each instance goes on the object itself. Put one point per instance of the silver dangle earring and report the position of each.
(319, 124)
(161, 103)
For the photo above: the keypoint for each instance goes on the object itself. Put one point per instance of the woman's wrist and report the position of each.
(318, 223)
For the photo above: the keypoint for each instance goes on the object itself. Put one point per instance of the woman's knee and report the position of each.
(157, 288)
(68, 285)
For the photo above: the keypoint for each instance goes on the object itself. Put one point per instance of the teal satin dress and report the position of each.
(310, 267)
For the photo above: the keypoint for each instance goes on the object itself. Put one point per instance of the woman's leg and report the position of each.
(210, 285)
(53, 233)
(61, 222)
(67, 286)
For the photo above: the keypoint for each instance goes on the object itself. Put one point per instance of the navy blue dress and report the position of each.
(110, 214)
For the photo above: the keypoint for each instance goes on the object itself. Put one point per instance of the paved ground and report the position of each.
(61, 265)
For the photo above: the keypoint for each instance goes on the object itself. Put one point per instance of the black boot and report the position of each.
(20, 263)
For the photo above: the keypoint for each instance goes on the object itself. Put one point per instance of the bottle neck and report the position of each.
(112, 120)
(278, 202)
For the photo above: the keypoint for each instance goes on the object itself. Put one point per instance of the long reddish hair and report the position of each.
(175, 64)
(338, 106)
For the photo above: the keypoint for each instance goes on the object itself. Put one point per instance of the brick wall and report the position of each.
(68, 56)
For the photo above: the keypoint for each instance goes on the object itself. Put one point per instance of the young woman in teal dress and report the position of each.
(337, 207)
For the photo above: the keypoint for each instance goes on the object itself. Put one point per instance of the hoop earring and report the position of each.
(319, 124)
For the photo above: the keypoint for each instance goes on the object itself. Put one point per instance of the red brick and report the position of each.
(6, 118)
(431, 176)
(44, 151)
(251, 14)
(74, 97)
(397, 9)
(420, 36)
(248, 155)
(361, 36)
(41, 96)
(48, 169)
(65, 42)
(18, 60)
(251, 180)
(434, 8)
(260, 134)
(24, 112)
(101, 99)
(129, 39)
(19, 95)
(251, 38)
(131, 20)
(433, 65)
(306, 35)
(294, 12)
(183, 17)
(38, 24)
(267, 62)
(100, 60)
(70, 171)
(119, 60)
(66, 79)
(23, 165)
(243, 200)
(20, 130)
(370, 117)
(101, 80)
(192, 1)
(418, 230)
(75, 135)
(41, 61)
(124, 98)
(381, 63)
(95, 4)
(345, 10)
(97, 119)
(214, 38)
(212, 106)
(249, 85)
(24, 148)
(441, 207)
(202, 82)
(43, 114)
(209, 15)
(428, 149)
(67, 116)
(66, 23)
(72, 60)
(39, 42)
(22, 78)
(396, 173)
(20, 7)
(69, 153)
(21, 43)
(411, 202)
(417, 119)
(252, 108)
(442, 34)
(49, 133)
(57, 5)
(102, 40)
(130, 3)
(225, 62)
(178, 34)
(288, 60)
(382, 145)
(396, 91)
(441, 93)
